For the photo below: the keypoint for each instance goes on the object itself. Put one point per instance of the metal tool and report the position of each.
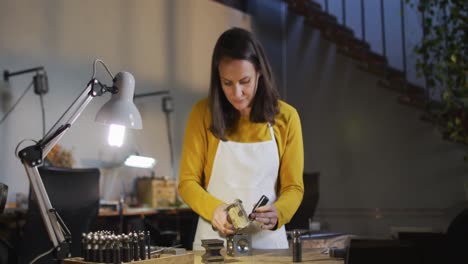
(240, 244)
(141, 245)
(261, 202)
(212, 250)
(297, 246)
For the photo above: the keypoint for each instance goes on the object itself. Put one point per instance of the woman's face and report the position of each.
(239, 80)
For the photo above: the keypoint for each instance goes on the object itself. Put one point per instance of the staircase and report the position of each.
(350, 45)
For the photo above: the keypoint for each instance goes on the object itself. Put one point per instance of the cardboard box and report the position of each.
(156, 192)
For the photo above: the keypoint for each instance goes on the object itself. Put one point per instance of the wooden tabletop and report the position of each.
(259, 256)
(276, 256)
(142, 211)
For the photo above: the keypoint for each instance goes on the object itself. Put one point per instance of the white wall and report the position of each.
(166, 44)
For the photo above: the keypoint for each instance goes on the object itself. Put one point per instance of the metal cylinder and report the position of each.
(148, 243)
(297, 246)
(141, 244)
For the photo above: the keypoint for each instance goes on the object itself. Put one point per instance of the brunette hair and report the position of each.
(238, 43)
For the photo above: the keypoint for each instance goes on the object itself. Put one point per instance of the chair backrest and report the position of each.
(74, 193)
(457, 235)
(309, 202)
(3, 196)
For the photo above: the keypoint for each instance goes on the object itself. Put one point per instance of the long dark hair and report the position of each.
(238, 43)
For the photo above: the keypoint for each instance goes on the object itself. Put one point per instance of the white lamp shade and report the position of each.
(120, 109)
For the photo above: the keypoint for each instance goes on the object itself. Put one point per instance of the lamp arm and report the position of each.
(59, 239)
(32, 157)
(93, 89)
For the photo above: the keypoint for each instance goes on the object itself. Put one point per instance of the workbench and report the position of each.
(259, 256)
(277, 256)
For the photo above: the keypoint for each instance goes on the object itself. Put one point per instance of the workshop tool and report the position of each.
(240, 243)
(212, 250)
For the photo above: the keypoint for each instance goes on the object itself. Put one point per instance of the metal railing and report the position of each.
(382, 24)
(383, 29)
(403, 39)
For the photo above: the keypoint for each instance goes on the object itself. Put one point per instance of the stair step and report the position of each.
(385, 72)
(419, 102)
(333, 29)
(315, 23)
(391, 85)
(398, 85)
(412, 88)
(303, 7)
(347, 43)
(319, 19)
(434, 113)
(375, 58)
(377, 70)
(427, 117)
(370, 59)
(402, 87)
(393, 74)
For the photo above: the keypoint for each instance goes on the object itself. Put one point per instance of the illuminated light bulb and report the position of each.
(116, 135)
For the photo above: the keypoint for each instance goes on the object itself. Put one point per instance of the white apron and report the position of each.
(244, 171)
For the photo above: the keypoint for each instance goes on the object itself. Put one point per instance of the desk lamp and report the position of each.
(119, 110)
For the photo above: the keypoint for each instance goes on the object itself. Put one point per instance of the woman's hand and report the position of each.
(221, 222)
(267, 215)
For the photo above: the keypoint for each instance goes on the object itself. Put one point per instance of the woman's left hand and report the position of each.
(267, 215)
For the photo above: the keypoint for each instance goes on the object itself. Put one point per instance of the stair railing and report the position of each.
(388, 75)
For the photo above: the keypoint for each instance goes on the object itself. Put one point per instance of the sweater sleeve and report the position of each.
(291, 172)
(194, 154)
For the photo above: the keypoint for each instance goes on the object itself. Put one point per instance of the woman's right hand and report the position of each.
(220, 220)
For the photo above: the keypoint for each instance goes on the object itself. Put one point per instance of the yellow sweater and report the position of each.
(200, 147)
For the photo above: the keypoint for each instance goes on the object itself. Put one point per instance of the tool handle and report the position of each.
(261, 202)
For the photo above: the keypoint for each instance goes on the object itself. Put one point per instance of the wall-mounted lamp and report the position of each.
(119, 110)
(140, 162)
(40, 80)
(167, 108)
(41, 86)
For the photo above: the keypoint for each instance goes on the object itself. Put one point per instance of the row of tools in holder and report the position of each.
(106, 247)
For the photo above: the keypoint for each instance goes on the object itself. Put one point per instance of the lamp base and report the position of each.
(62, 251)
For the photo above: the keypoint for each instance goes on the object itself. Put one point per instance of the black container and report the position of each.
(296, 246)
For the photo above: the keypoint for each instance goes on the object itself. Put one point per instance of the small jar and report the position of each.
(239, 217)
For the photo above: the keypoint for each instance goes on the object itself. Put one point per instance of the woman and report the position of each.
(242, 142)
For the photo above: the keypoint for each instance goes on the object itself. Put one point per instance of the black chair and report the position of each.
(309, 202)
(74, 193)
(3, 196)
(457, 236)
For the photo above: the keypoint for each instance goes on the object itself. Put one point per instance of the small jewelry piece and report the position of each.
(269, 221)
